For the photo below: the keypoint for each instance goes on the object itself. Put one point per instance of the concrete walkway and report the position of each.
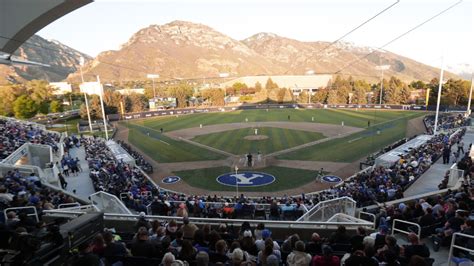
(82, 182)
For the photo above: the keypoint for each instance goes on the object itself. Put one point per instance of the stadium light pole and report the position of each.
(440, 87)
(81, 63)
(103, 109)
(224, 75)
(470, 96)
(153, 77)
(236, 182)
(382, 67)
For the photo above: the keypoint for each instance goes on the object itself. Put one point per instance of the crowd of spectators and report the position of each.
(13, 134)
(139, 160)
(445, 121)
(116, 177)
(180, 242)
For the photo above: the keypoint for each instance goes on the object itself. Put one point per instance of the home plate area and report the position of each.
(245, 179)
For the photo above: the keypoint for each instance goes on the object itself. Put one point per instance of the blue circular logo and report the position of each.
(331, 179)
(245, 179)
(171, 179)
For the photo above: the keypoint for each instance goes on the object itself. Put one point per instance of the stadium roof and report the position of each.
(21, 19)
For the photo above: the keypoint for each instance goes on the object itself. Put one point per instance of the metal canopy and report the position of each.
(21, 19)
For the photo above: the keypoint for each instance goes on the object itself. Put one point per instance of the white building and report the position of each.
(130, 91)
(296, 83)
(60, 88)
(90, 88)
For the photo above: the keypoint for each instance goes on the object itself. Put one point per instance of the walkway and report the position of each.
(430, 180)
(81, 183)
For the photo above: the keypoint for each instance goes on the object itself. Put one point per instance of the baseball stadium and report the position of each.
(251, 163)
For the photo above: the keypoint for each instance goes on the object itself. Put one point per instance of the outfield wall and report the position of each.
(182, 111)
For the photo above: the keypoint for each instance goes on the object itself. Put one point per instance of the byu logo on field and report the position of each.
(171, 179)
(331, 179)
(245, 179)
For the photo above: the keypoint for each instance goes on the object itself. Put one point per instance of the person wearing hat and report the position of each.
(142, 222)
(327, 259)
(260, 243)
(85, 256)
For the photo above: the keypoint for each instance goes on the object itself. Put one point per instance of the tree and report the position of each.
(258, 86)
(270, 85)
(181, 92)
(138, 102)
(303, 97)
(215, 96)
(112, 100)
(359, 96)
(24, 107)
(418, 85)
(39, 90)
(56, 106)
(320, 96)
(333, 97)
(94, 108)
(43, 107)
(8, 95)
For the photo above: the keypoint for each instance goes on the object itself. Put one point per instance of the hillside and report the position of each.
(63, 60)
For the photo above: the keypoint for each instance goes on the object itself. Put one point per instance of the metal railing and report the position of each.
(16, 209)
(326, 209)
(372, 216)
(395, 229)
(214, 221)
(68, 205)
(453, 246)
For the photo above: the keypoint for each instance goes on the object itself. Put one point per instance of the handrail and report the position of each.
(35, 213)
(406, 222)
(368, 214)
(453, 245)
(323, 204)
(68, 205)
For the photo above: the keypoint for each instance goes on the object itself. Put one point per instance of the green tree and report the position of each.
(418, 85)
(24, 107)
(359, 95)
(320, 96)
(8, 95)
(239, 87)
(303, 97)
(43, 107)
(258, 86)
(39, 90)
(56, 106)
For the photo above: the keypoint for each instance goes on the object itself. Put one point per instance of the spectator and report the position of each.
(298, 256)
(414, 248)
(85, 256)
(340, 236)
(113, 248)
(142, 245)
(327, 259)
(188, 252)
(188, 228)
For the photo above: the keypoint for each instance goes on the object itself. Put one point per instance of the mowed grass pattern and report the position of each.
(353, 118)
(285, 178)
(167, 150)
(355, 146)
(278, 139)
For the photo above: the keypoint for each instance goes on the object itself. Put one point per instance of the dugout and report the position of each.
(390, 158)
(119, 153)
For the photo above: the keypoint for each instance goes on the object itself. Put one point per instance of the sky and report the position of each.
(106, 24)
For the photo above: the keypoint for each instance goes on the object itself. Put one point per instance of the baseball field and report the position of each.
(288, 144)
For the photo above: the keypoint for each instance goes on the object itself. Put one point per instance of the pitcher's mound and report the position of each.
(256, 137)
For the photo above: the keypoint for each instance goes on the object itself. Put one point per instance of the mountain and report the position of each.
(299, 57)
(62, 59)
(183, 49)
(178, 49)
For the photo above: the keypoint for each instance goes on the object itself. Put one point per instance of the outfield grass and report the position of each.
(233, 141)
(355, 146)
(286, 178)
(163, 149)
(354, 118)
